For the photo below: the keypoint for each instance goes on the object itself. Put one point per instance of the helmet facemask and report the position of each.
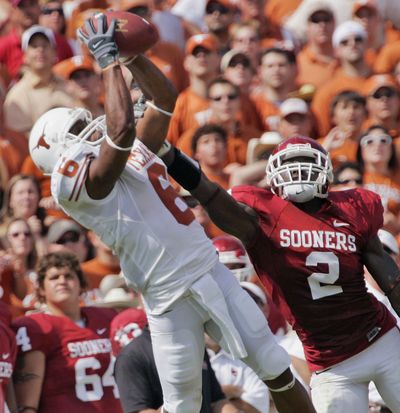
(299, 173)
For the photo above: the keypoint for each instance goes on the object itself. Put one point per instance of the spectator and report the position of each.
(66, 235)
(294, 118)
(317, 62)
(224, 111)
(23, 196)
(245, 38)
(388, 58)
(52, 17)
(22, 253)
(66, 339)
(348, 113)
(38, 90)
(348, 175)
(349, 42)
(202, 64)
(383, 103)
(82, 83)
(377, 156)
(209, 148)
(168, 57)
(26, 14)
(104, 262)
(218, 18)
(278, 73)
(237, 68)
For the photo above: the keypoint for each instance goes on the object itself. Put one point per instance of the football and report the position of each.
(133, 35)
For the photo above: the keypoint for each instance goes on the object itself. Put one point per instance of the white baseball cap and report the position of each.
(293, 105)
(36, 29)
(347, 29)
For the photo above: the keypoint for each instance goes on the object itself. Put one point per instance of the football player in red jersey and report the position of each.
(64, 360)
(309, 247)
(8, 353)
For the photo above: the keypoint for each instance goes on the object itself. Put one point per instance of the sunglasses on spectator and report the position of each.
(48, 10)
(213, 7)
(69, 237)
(386, 92)
(320, 18)
(81, 74)
(26, 234)
(369, 140)
(357, 181)
(232, 96)
(357, 39)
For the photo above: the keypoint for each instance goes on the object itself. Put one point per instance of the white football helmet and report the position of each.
(232, 253)
(58, 129)
(299, 181)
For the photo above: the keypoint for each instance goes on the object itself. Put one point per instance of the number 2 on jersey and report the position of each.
(316, 279)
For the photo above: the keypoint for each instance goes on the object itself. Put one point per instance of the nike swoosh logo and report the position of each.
(96, 45)
(5, 355)
(100, 331)
(338, 224)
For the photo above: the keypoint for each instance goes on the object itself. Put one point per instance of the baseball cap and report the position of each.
(117, 297)
(311, 7)
(257, 146)
(375, 82)
(59, 228)
(208, 41)
(254, 289)
(111, 281)
(359, 4)
(389, 241)
(293, 105)
(36, 29)
(347, 29)
(228, 57)
(66, 67)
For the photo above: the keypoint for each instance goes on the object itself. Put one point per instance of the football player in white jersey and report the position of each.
(117, 187)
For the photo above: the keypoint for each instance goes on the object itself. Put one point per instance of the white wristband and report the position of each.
(153, 106)
(118, 148)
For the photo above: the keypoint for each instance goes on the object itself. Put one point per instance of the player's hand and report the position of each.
(100, 42)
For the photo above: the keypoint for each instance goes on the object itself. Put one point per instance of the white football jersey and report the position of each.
(161, 247)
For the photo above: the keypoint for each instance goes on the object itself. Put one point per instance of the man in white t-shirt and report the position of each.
(117, 187)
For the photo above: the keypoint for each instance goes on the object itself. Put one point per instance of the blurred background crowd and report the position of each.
(250, 73)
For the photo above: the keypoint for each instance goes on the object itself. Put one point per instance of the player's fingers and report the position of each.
(113, 26)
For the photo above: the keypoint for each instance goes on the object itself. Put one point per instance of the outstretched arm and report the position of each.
(228, 214)
(384, 270)
(153, 127)
(114, 151)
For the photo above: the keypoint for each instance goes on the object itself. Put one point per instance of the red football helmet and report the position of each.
(308, 175)
(232, 253)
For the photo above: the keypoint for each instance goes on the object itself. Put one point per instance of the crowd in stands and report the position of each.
(250, 73)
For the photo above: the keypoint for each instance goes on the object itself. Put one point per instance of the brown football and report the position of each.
(133, 35)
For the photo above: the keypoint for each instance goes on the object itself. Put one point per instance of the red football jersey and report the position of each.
(8, 354)
(312, 268)
(79, 364)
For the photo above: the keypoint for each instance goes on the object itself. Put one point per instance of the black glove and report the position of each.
(101, 43)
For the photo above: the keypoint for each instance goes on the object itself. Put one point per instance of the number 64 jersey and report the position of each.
(161, 247)
(79, 374)
(312, 268)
